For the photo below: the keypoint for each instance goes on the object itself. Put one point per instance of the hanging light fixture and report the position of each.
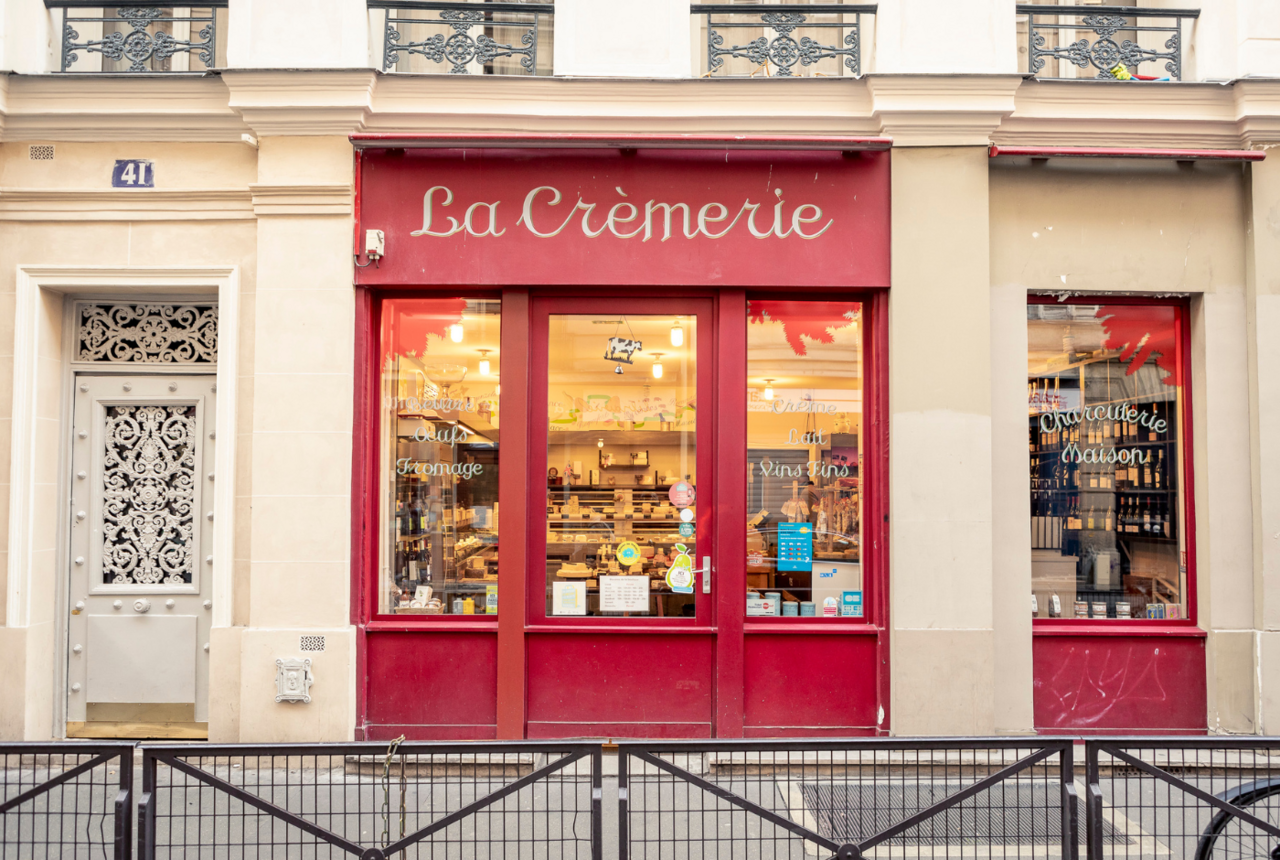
(484, 362)
(600, 442)
(455, 332)
(657, 365)
(768, 389)
(677, 334)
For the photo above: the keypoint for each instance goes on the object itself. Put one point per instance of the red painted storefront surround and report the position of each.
(1123, 677)
(528, 675)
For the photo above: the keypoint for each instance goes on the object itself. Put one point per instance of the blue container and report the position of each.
(776, 598)
(791, 608)
(808, 609)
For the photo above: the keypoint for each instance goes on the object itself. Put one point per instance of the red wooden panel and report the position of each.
(754, 218)
(436, 680)
(1119, 683)
(586, 680)
(797, 683)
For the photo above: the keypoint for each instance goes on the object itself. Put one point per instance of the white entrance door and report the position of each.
(141, 522)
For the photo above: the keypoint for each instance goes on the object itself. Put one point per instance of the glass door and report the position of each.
(626, 516)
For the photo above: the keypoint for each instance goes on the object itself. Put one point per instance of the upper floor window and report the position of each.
(512, 38)
(142, 37)
(1103, 42)
(783, 40)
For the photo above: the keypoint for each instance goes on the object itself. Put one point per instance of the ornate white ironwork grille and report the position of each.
(148, 494)
(128, 333)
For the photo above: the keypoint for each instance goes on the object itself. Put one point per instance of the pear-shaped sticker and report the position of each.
(680, 574)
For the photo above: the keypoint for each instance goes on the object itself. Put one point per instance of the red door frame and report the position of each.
(1131, 648)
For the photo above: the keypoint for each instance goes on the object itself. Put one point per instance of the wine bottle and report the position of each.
(1146, 514)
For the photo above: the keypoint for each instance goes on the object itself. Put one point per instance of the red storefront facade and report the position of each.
(693, 234)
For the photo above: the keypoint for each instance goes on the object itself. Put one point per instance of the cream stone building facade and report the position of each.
(252, 214)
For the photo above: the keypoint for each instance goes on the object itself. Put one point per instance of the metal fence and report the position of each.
(66, 800)
(1206, 798)
(462, 38)
(848, 798)
(431, 800)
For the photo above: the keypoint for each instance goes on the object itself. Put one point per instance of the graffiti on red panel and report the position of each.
(1094, 686)
(1139, 332)
(817, 321)
(410, 329)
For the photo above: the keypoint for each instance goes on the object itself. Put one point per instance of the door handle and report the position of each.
(705, 570)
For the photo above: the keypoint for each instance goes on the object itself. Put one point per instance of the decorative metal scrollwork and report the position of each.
(139, 46)
(461, 48)
(147, 333)
(148, 495)
(784, 51)
(1104, 54)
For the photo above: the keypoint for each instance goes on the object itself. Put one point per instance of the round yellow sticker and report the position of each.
(628, 552)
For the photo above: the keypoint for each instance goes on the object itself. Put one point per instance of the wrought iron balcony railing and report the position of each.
(143, 37)
(504, 38)
(783, 39)
(1104, 42)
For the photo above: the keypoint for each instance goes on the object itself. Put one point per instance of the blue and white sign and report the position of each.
(133, 173)
(851, 604)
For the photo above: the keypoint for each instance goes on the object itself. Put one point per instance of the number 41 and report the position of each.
(131, 177)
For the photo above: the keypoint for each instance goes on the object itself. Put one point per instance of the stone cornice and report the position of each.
(287, 102)
(101, 107)
(915, 110)
(942, 110)
(79, 204)
(301, 199)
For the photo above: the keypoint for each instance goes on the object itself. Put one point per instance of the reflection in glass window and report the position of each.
(804, 459)
(1104, 385)
(439, 455)
(622, 461)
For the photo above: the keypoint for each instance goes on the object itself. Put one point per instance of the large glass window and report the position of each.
(804, 459)
(621, 477)
(1105, 387)
(439, 455)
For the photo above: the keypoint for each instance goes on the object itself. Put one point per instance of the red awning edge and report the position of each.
(575, 140)
(1099, 152)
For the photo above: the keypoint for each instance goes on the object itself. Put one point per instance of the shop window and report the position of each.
(439, 456)
(1106, 408)
(804, 459)
(622, 461)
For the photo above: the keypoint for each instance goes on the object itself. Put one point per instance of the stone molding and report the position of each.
(915, 110)
(80, 204)
(302, 199)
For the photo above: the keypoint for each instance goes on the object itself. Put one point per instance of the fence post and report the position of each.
(147, 808)
(597, 803)
(1070, 802)
(624, 848)
(1093, 805)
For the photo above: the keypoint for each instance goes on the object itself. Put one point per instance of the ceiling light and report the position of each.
(768, 389)
(484, 362)
(455, 332)
(657, 365)
(677, 335)
(600, 442)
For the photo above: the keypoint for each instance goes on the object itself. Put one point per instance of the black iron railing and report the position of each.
(783, 40)
(1210, 798)
(1207, 798)
(1104, 42)
(66, 800)
(372, 800)
(845, 798)
(504, 38)
(144, 36)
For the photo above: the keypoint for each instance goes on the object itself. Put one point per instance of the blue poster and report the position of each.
(795, 546)
(851, 604)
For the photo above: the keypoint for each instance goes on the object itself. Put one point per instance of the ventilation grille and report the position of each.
(311, 643)
(41, 152)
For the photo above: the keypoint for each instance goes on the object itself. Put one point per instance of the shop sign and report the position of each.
(680, 574)
(602, 217)
(681, 494)
(624, 594)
